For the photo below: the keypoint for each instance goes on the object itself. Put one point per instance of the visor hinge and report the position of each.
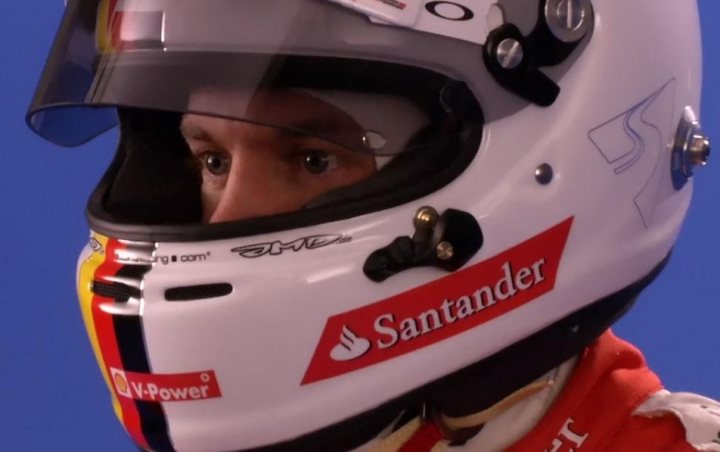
(514, 60)
(445, 241)
(691, 149)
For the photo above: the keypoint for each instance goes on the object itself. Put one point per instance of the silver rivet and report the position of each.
(690, 149)
(570, 14)
(374, 140)
(509, 53)
(699, 150)
(568, 20)
(445, 251)
(425, 218)
(544, 174)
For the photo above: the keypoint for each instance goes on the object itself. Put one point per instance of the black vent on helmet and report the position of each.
(199, 292)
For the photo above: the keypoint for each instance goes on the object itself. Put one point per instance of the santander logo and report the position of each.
(350, 347)
(440, 309)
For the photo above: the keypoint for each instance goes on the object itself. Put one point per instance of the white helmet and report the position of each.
(540, 160)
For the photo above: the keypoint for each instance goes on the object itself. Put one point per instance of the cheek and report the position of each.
(342, 177)
(210, 201)
(366, 169)
(355, 173)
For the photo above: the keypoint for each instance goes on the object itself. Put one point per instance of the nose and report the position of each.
(253, 188)
(256, 185)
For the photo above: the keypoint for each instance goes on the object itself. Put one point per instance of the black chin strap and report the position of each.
(485, 383)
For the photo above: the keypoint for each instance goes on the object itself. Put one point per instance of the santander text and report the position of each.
(451, 311)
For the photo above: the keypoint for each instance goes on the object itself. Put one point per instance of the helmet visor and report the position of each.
(230, 59)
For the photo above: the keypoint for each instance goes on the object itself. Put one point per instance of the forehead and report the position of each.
(272, 106)
(377, 123)
(288, 109)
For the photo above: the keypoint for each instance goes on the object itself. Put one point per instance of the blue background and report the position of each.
(51, 393)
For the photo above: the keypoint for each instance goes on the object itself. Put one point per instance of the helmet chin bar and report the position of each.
(486, 382)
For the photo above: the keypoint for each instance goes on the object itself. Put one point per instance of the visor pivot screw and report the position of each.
(374, 140)
(570, 14)
(568, 19)
(509, 53)
(445, 251)
(699, 150)
(544, 174)
(691, 149)
(425, 218)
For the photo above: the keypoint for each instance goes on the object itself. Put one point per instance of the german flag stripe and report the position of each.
(118, 342)
(130, 341)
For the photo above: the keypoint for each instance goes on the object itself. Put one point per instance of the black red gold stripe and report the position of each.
(119, 343)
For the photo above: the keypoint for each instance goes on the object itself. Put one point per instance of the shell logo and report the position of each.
(120, 383)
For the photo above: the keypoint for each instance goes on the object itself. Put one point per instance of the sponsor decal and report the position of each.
(466, 16)
(450, 11)
(441, 309)
(350, 347)
(166, 387)
(277, 248)
(567, 437)
(96, 246)
(182, 258)
(136, 258)
(633, 147)
(395, 3)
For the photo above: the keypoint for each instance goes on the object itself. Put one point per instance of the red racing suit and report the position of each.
(610, 401)
(614, 402)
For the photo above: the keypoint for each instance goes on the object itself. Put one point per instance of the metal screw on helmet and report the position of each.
(698, 151)
(444, 251)
(544, 174)
(509, 53)
(568, 20)
(374, 140)
(425, 218)
(446, 241)
(690, 150)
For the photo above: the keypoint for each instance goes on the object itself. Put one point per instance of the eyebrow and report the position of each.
(199, 133)
(315, 125)
(194, 132)
(324, 125)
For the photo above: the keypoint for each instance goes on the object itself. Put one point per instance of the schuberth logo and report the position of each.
(166, 387)
(441, 309)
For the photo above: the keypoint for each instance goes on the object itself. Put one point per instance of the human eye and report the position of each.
(213, 162)
(315, 161)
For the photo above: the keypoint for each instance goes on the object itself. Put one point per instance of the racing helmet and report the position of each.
(533, 163)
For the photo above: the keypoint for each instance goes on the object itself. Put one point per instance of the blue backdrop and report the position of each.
(52, 396)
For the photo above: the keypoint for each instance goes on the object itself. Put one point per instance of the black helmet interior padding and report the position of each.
(154, 179)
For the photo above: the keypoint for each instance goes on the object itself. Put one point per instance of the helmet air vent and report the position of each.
(199, 292)
(117, 291)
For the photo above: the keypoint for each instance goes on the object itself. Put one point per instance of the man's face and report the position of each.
(250, 170)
